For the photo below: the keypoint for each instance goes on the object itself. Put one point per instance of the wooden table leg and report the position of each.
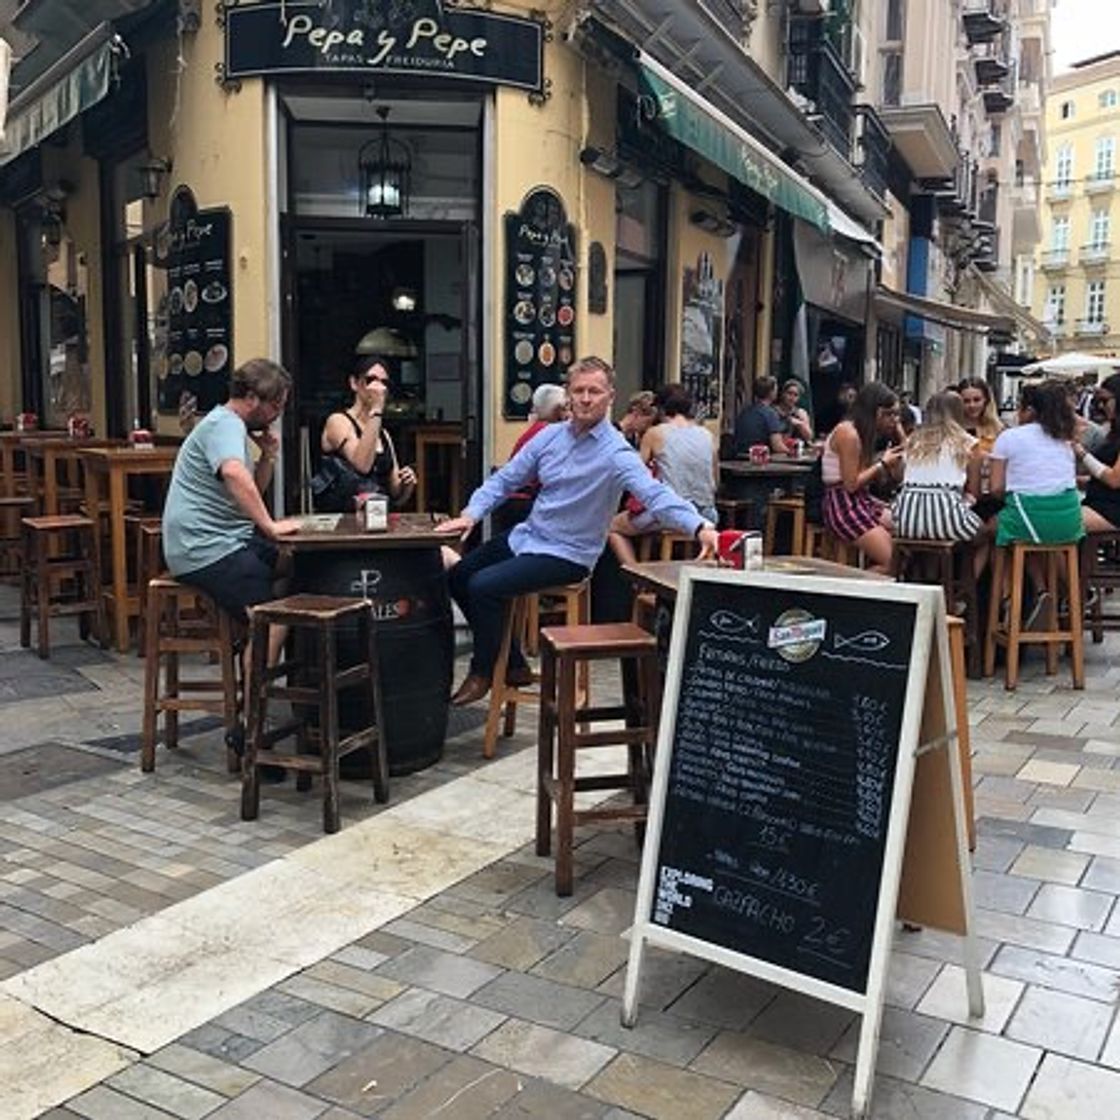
(119, 558)
(50, 483)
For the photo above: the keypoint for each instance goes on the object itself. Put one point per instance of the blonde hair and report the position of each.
(942, 428)
(989, 425)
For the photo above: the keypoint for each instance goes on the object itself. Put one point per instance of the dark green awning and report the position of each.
(699, 125)
(80, 79)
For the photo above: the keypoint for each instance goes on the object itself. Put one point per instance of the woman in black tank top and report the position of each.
(357, 437)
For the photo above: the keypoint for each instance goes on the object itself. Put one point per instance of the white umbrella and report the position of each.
(1073, 364)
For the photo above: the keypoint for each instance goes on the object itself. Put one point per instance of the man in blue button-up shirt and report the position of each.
(583, 467)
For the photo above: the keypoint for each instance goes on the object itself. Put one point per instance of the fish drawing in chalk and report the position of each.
(870, 641)
(728, 622)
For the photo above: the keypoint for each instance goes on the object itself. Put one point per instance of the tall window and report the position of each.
(1064, 165)
(1107, 99)
(896, 18)
(1066, 110)
(1098, 229)
(1055, 304)
(1106, 153)
(1059, 234)
(1094, 303)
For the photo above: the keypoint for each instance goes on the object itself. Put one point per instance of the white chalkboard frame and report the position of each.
(930, 640)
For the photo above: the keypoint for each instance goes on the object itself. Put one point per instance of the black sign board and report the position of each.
(199, 306)
(417, 37)
(787, 731)
(540, 299)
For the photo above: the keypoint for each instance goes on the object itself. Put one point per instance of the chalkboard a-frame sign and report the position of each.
(791, 727)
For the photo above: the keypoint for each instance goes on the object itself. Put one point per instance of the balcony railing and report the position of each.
(982, 23)
(1057, 327)
(1100, 181)
(1094, 253)
(998, 98)
(816, 71)
(1059, 192)
(871, 150)
(1092, 327)
(1055, 258)
(992, 63)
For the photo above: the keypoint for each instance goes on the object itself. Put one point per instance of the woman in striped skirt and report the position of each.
(942, 478)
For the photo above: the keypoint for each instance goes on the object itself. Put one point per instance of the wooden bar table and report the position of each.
(759, 482)
(13, 443)
(111, 468)
(401, 572)
(43, 459)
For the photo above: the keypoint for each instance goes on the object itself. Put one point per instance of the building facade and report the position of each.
(1077, 285)
(701, 191)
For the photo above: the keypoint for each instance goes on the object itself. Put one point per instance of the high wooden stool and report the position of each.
(504, 697)
(314, 682)
(556, 604)
(1100, 577)
(735, 513)
(147, 551)
(778, 508)
(1010, 633)
(182, 620)
(12, 511)
(938, 562)
(813, 541)
(58, 551)
(565, 730)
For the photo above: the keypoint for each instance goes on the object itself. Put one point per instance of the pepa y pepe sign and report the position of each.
(406, 37)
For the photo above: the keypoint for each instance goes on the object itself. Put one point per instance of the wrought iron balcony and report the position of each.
(992, 64)
(1094, 253)
(1099, 182)
(982, 23)
(816, 71)
(1000, 97)
(1092, 327)
(1053, 259)
(871, 150)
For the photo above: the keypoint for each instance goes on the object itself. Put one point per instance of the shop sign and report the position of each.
(540, 299)
(198, 306)
(420, 37)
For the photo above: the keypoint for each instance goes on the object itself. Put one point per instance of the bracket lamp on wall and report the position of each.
(152, 175)
(611, 167)
(384, 168)
(713, 223)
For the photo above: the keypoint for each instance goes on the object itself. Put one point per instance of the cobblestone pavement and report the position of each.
(160, 958)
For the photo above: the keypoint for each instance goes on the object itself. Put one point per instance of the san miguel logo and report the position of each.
(383, 36)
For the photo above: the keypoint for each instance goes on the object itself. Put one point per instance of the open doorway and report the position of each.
(403, 289)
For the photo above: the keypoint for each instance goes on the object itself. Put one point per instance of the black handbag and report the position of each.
(335, 485)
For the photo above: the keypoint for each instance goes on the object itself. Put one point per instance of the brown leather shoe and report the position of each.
(474, 688)
(521, 677)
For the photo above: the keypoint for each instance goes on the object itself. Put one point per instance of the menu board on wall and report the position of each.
(540, 299)
(786, 735)
(199, 353)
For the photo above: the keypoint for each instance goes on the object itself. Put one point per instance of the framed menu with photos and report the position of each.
(540, 307)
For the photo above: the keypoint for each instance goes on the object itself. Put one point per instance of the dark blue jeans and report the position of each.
(487, 578)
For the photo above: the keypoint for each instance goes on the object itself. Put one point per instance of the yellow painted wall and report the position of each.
(9, 318)
(1089, 122)
(216, 141)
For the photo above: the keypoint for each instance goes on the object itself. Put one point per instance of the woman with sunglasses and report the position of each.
(1100, 511)
(357, 440)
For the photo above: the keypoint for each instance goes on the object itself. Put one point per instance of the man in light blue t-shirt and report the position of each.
(217, 532)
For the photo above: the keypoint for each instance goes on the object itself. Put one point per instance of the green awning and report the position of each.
(78, 80)
(699, 125)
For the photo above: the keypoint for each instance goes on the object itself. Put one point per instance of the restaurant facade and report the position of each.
(480, 193)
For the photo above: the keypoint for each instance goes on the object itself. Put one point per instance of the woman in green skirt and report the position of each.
(1033, 464)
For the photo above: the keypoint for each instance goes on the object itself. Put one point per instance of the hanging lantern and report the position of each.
(384, 165)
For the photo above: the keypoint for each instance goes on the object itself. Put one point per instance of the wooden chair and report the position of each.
(174, 628)
(777, 509)
(1009, 632)
(59, 578)
(314, 681)
(505, 697)
(565, 730)
(949, 564)
(735, 513)
(1100, 574)
(12, 511)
